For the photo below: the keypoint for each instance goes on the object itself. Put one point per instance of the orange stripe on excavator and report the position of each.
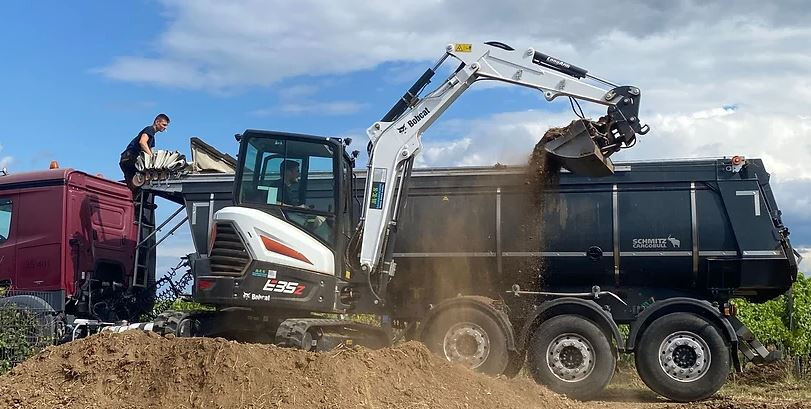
(276, 247)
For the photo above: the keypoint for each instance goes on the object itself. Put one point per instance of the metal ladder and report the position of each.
(145, 237)
(145, 229)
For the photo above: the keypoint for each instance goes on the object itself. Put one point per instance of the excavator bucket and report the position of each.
(576, 151)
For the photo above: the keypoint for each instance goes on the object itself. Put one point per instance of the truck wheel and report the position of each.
(572, 356)
(683, 357)
(35, 318)
(470, 337)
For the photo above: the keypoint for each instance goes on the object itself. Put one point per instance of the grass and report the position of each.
(766, 383)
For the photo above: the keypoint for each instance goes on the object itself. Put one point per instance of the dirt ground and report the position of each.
(144, 370)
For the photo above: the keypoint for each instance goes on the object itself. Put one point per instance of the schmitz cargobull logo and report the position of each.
(657, 243)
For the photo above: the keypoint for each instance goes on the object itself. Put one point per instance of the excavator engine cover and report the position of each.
(577, 151)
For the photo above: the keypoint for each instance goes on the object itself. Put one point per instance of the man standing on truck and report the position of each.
(143, 142)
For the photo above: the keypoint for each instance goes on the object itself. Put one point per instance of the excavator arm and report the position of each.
(395, 140)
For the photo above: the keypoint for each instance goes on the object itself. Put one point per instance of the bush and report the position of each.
(19, 329)
(769, 321)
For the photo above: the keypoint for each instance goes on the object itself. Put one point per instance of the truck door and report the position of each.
(8, 239)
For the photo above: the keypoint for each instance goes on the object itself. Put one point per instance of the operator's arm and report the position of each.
(143, 142)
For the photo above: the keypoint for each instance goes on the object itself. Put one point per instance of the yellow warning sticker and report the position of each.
(463, 47)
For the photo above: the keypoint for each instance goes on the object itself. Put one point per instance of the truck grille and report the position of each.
(228, 255)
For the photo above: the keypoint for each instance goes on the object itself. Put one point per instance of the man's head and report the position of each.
(290, 171)
(161, 122)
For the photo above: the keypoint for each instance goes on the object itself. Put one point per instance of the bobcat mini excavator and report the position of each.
(289, 247)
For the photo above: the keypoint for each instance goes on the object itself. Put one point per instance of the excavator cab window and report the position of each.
(296, 177)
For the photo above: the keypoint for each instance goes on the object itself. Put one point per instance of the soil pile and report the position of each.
(144, 370)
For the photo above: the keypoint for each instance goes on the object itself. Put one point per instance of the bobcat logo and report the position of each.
(401, 129)
(676, 243)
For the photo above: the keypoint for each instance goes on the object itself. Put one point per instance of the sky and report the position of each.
(81, 78)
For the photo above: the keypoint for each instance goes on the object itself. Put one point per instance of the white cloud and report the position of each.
(324, 108)
(717, 78)
(805, 264)
(5, 160)
(315, 108)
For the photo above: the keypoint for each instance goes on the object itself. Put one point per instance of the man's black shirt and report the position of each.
(285, 193)
(134, 147)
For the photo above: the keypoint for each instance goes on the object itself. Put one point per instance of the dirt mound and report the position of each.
(765, 374)
(143, 370)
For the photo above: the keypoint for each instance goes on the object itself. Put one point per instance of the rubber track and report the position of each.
(291, 332)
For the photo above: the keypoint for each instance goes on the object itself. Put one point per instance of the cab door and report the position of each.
(8, 238)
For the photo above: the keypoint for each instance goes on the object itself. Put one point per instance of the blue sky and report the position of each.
(61, 106)
(80, 79)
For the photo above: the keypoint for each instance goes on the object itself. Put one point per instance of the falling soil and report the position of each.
(543, 171)
(144, 370)
(542, 178)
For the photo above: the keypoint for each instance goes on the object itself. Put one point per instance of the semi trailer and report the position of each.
(486, 278)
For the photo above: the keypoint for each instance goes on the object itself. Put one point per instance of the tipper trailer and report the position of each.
(482, 272)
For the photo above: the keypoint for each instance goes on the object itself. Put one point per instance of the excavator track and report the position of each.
(314, 334)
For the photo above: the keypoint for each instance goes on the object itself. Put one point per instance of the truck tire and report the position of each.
(571, 355)
(43, 318)
(683, 357)
(469, 336)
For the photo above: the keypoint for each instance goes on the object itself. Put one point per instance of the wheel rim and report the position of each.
(466, 343)
(570, 357)
(684, 356)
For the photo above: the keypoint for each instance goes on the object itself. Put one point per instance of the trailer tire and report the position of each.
(471, 337)
(683, 357)
(571, 355)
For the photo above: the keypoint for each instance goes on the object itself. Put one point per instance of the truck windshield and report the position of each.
(294, 176)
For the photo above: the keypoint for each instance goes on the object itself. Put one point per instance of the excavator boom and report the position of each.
(395, 140)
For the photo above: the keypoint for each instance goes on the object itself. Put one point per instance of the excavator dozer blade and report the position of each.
(576, 151)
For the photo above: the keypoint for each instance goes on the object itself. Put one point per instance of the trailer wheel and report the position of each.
(572, 356)
(683, 357)
(470, 337)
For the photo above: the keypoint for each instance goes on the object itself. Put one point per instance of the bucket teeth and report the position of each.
(576, 151)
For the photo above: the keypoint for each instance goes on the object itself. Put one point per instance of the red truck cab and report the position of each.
(69, 238)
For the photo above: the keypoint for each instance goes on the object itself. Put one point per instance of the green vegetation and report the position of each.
(19, 329)
(770, 321)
